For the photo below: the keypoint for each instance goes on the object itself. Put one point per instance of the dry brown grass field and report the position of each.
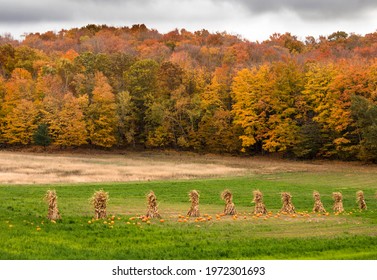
(63, 167)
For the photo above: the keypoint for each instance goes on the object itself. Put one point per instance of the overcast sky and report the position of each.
(252, 19)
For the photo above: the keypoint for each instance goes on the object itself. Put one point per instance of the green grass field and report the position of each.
(351, 235)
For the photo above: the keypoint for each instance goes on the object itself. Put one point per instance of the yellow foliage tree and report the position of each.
(101, 115)
(62, 112)
(70, 125)
(267, 105)
(351, 80)
(285, 107)
(328, 89)
(216, 131)
(19, 110)
(250, 109)
(20, 123)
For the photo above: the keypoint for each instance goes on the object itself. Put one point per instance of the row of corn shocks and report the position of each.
(100, 200)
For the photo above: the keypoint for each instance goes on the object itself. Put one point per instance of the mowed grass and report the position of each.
(26, 233)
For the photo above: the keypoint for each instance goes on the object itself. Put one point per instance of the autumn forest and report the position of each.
(133, 87)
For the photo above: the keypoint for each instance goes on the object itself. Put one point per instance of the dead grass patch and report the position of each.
(43, 168)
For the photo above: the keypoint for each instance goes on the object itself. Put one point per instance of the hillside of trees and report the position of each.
(107, 87)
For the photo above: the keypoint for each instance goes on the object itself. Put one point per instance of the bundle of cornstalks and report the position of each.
(260, 208)
(338, 204)
(360, 200)
(227, 196)
(194, 209)
(99, 200)
(318, 206)
(52, 200)
(287, 203)
(152, 211)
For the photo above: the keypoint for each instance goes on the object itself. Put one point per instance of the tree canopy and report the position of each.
(107, 87)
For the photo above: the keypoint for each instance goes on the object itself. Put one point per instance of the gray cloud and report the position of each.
(32, 11)
(250, 18)
(25, 11)
(308, 9)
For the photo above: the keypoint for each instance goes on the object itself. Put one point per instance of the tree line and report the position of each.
(107, 87)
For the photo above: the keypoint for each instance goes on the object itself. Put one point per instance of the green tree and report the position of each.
(119, 64)
(41, 136)
(126, 118)
(25, 58)
(309, 141)
(142, 85)
(338, 36)
(142, 81)
(364, 113)
(7, 60)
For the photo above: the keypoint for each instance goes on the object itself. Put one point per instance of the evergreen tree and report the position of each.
(41, 136)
